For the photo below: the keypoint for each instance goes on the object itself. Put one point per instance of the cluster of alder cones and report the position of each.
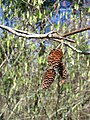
(54, 62)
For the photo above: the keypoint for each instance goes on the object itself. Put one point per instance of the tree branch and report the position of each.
(76, 31)
(75, 49)
(52, 34)
(25, 34)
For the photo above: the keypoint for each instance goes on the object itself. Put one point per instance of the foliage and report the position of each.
(22, 69)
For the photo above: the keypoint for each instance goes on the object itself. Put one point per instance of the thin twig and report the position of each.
(3, 63)
(4, 52)
(45, 110)
(73, 106)
(75, 49)
(58, 97)
(14, 108)
(76, 31)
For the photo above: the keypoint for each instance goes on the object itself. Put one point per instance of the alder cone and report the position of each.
(54, 57)
(62, 70)
(48, 78)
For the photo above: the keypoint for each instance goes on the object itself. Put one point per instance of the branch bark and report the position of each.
(76, 31)
(25, 34)
(75, 49)
(54, 35)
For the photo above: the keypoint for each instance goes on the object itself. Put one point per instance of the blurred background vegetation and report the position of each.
(23, 61)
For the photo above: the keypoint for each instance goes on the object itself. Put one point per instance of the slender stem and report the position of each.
(76, 31)
(58, 97)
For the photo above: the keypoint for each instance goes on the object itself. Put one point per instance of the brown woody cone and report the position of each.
(62, 70)
(48, 78)
(54, 57)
